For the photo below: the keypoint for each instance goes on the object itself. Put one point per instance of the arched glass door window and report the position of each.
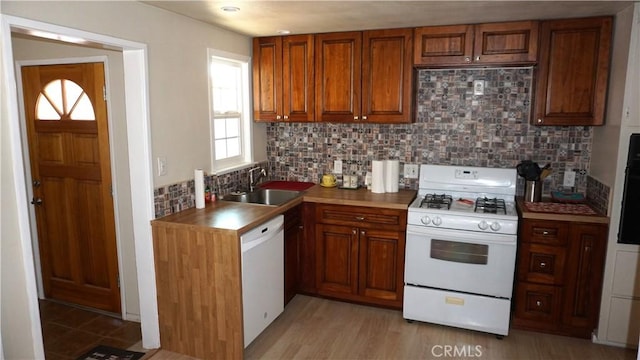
(64, 100)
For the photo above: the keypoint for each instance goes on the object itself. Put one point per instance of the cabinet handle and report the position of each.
(539, 121)
(477, 58)
(364, 118)
(467, 59)
(355, 118)
(360, 218)
(545, 232)
(538, 303)
(278, 117)
(286, 117)
(354, 231)
(542, 265)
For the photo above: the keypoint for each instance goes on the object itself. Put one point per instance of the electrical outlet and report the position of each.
(410, 171)
(162, 165)
(569, 179)
(337, 167)
(478, 87)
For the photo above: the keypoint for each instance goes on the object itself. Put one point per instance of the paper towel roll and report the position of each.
(199, 182)
(377, 176)
(391, 175)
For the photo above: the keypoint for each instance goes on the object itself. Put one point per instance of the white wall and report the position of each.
(617, 325)
(177, 69)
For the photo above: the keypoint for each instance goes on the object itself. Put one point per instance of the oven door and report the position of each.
(473, 262)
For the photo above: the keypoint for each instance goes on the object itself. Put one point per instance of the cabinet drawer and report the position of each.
(538, 302)
(363, 217)
(545, 232)
(541, 264)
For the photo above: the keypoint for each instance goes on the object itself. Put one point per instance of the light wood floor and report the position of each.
(314, 328)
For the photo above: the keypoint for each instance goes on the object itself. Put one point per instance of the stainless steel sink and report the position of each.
(263, 196)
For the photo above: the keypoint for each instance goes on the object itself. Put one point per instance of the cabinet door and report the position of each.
(381, 265)
(298, 78)
(307, 249)
(537, 306)
(443, 45)
(573, 72)
(587, 246)
(293, 231)
(267, 78)
(541, 264)
(386, 76)
(336, 260)
(512, 42)
(338, 72)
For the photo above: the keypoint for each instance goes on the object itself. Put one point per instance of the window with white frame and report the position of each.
(230, 114)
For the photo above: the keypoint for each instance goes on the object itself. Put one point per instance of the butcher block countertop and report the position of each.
(241, 217)
(548, 210)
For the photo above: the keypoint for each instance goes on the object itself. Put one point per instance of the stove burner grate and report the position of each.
(490, 206)
(435, 201)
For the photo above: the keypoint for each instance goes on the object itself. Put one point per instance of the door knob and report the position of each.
(36, 201)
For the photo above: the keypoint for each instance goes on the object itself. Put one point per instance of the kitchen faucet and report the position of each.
(253, 179)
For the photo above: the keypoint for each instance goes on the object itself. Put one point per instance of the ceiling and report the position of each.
(267, 17)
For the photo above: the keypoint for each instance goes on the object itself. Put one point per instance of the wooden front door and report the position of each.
(66, 120)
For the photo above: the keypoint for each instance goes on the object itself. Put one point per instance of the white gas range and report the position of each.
(461, 248)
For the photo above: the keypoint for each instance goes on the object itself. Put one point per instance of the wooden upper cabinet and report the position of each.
(386, 76)
(494, 43)
(283, 78)
(573, 72)
(443, 45)
(364, 76)
(338, 71)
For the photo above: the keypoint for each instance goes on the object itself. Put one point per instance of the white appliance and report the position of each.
(461, 248)
(262, 276)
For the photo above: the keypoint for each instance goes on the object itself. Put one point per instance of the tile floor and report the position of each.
(69, 332)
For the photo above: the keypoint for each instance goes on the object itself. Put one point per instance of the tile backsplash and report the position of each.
(452, 127)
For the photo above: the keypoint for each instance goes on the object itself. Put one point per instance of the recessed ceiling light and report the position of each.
(283, 32)
(230, 8)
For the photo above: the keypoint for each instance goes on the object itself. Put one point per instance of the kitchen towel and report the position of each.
(391, 175)
(377, 176)
(199, 182)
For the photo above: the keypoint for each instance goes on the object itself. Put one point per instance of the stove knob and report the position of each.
(483, 225)
(495, 226)
(437, 221)
(425, 220)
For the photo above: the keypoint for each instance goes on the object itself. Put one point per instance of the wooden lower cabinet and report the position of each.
(559, 276)
(362, 258)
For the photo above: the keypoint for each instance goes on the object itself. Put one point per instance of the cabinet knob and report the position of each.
(278, 117)
(354, 231)
(467, 59)
(538, 303)
(286, 117)
(364, 117)
(542, 265)
(539, 121)
(355, 118)
(360, 218)
(477, 58)
(362, 232)
(545, 232)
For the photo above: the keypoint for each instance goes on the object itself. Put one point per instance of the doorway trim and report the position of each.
(136, 86)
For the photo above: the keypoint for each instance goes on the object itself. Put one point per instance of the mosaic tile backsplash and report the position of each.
(453, 127)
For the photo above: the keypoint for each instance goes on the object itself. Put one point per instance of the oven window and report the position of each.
(459, 252)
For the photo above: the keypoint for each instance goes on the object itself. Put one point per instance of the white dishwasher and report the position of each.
(262, 276)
